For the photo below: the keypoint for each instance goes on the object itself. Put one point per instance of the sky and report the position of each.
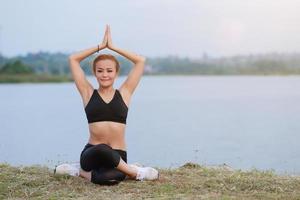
(153, 28)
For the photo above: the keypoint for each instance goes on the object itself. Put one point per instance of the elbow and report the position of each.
(141, 59)
(72, 58)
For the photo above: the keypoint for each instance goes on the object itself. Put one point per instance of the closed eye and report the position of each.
(106, 70)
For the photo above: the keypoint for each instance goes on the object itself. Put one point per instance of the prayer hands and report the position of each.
(107, 41)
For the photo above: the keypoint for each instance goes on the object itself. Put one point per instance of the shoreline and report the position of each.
(48, 78)
(33, 78)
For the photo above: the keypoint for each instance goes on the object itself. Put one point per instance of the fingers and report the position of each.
(109, 40)
(105, 36)
(105, 39)
(108, 30)
(106, 33)
(109, 33)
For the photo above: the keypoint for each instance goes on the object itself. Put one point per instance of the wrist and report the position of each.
(111, 47)
(99, 47)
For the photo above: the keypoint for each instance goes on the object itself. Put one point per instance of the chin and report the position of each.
(106, 84)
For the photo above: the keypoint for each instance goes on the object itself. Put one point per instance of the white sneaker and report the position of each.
(71, 169)
(145, 173)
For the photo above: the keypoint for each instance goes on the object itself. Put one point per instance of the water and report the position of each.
(243, 121)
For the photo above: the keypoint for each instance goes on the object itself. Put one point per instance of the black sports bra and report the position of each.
(98, 110)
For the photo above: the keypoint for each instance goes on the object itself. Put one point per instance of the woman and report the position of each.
(104, 159)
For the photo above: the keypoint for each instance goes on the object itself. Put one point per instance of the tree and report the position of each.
(16, 67)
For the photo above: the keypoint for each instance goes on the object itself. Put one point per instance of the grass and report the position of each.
(33, 78)
(190, 181)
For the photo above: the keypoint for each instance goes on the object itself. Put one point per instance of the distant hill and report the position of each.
(260, 64)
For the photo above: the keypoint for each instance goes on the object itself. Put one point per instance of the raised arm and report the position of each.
(82, 84)
(136, 72)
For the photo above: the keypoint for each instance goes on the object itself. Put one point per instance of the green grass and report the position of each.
(33, 78)
(190, 181)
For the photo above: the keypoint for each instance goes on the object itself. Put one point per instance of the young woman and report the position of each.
(104, 158)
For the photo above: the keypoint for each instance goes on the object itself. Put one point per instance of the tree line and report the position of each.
(261, 64)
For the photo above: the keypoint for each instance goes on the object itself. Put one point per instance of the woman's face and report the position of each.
(105, 72)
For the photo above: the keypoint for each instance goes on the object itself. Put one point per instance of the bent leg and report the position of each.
(125, 168)
(113, 174)
(96, 156)
(104, 165)
(107, 176)
(84, 174)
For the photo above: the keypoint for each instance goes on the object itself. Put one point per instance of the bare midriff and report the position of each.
(107, 132)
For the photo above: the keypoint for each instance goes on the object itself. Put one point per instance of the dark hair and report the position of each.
(105, 57)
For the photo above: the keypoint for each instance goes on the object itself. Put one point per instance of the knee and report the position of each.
(84, 165)
(94, 156)
(109, 157)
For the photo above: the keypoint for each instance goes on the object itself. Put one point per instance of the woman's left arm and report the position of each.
(136, 72)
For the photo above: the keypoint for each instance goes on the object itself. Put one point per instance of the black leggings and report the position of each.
(102, 161)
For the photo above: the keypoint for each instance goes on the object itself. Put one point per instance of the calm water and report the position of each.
(245, 122)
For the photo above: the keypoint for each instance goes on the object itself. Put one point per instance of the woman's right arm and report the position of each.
(82, 84)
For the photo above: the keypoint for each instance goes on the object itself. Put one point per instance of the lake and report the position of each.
(244, 121)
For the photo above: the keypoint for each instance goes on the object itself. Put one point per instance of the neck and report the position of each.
(106, 90)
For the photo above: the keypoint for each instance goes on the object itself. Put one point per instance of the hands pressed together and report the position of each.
(107, 41)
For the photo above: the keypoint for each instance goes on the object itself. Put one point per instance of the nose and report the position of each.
(104, 74)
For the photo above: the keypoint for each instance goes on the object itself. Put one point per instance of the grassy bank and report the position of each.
(32, 78)
(190, 181)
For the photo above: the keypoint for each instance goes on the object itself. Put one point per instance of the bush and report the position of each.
(16, 67)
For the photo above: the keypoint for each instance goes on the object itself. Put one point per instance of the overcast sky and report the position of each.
(151, 27)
